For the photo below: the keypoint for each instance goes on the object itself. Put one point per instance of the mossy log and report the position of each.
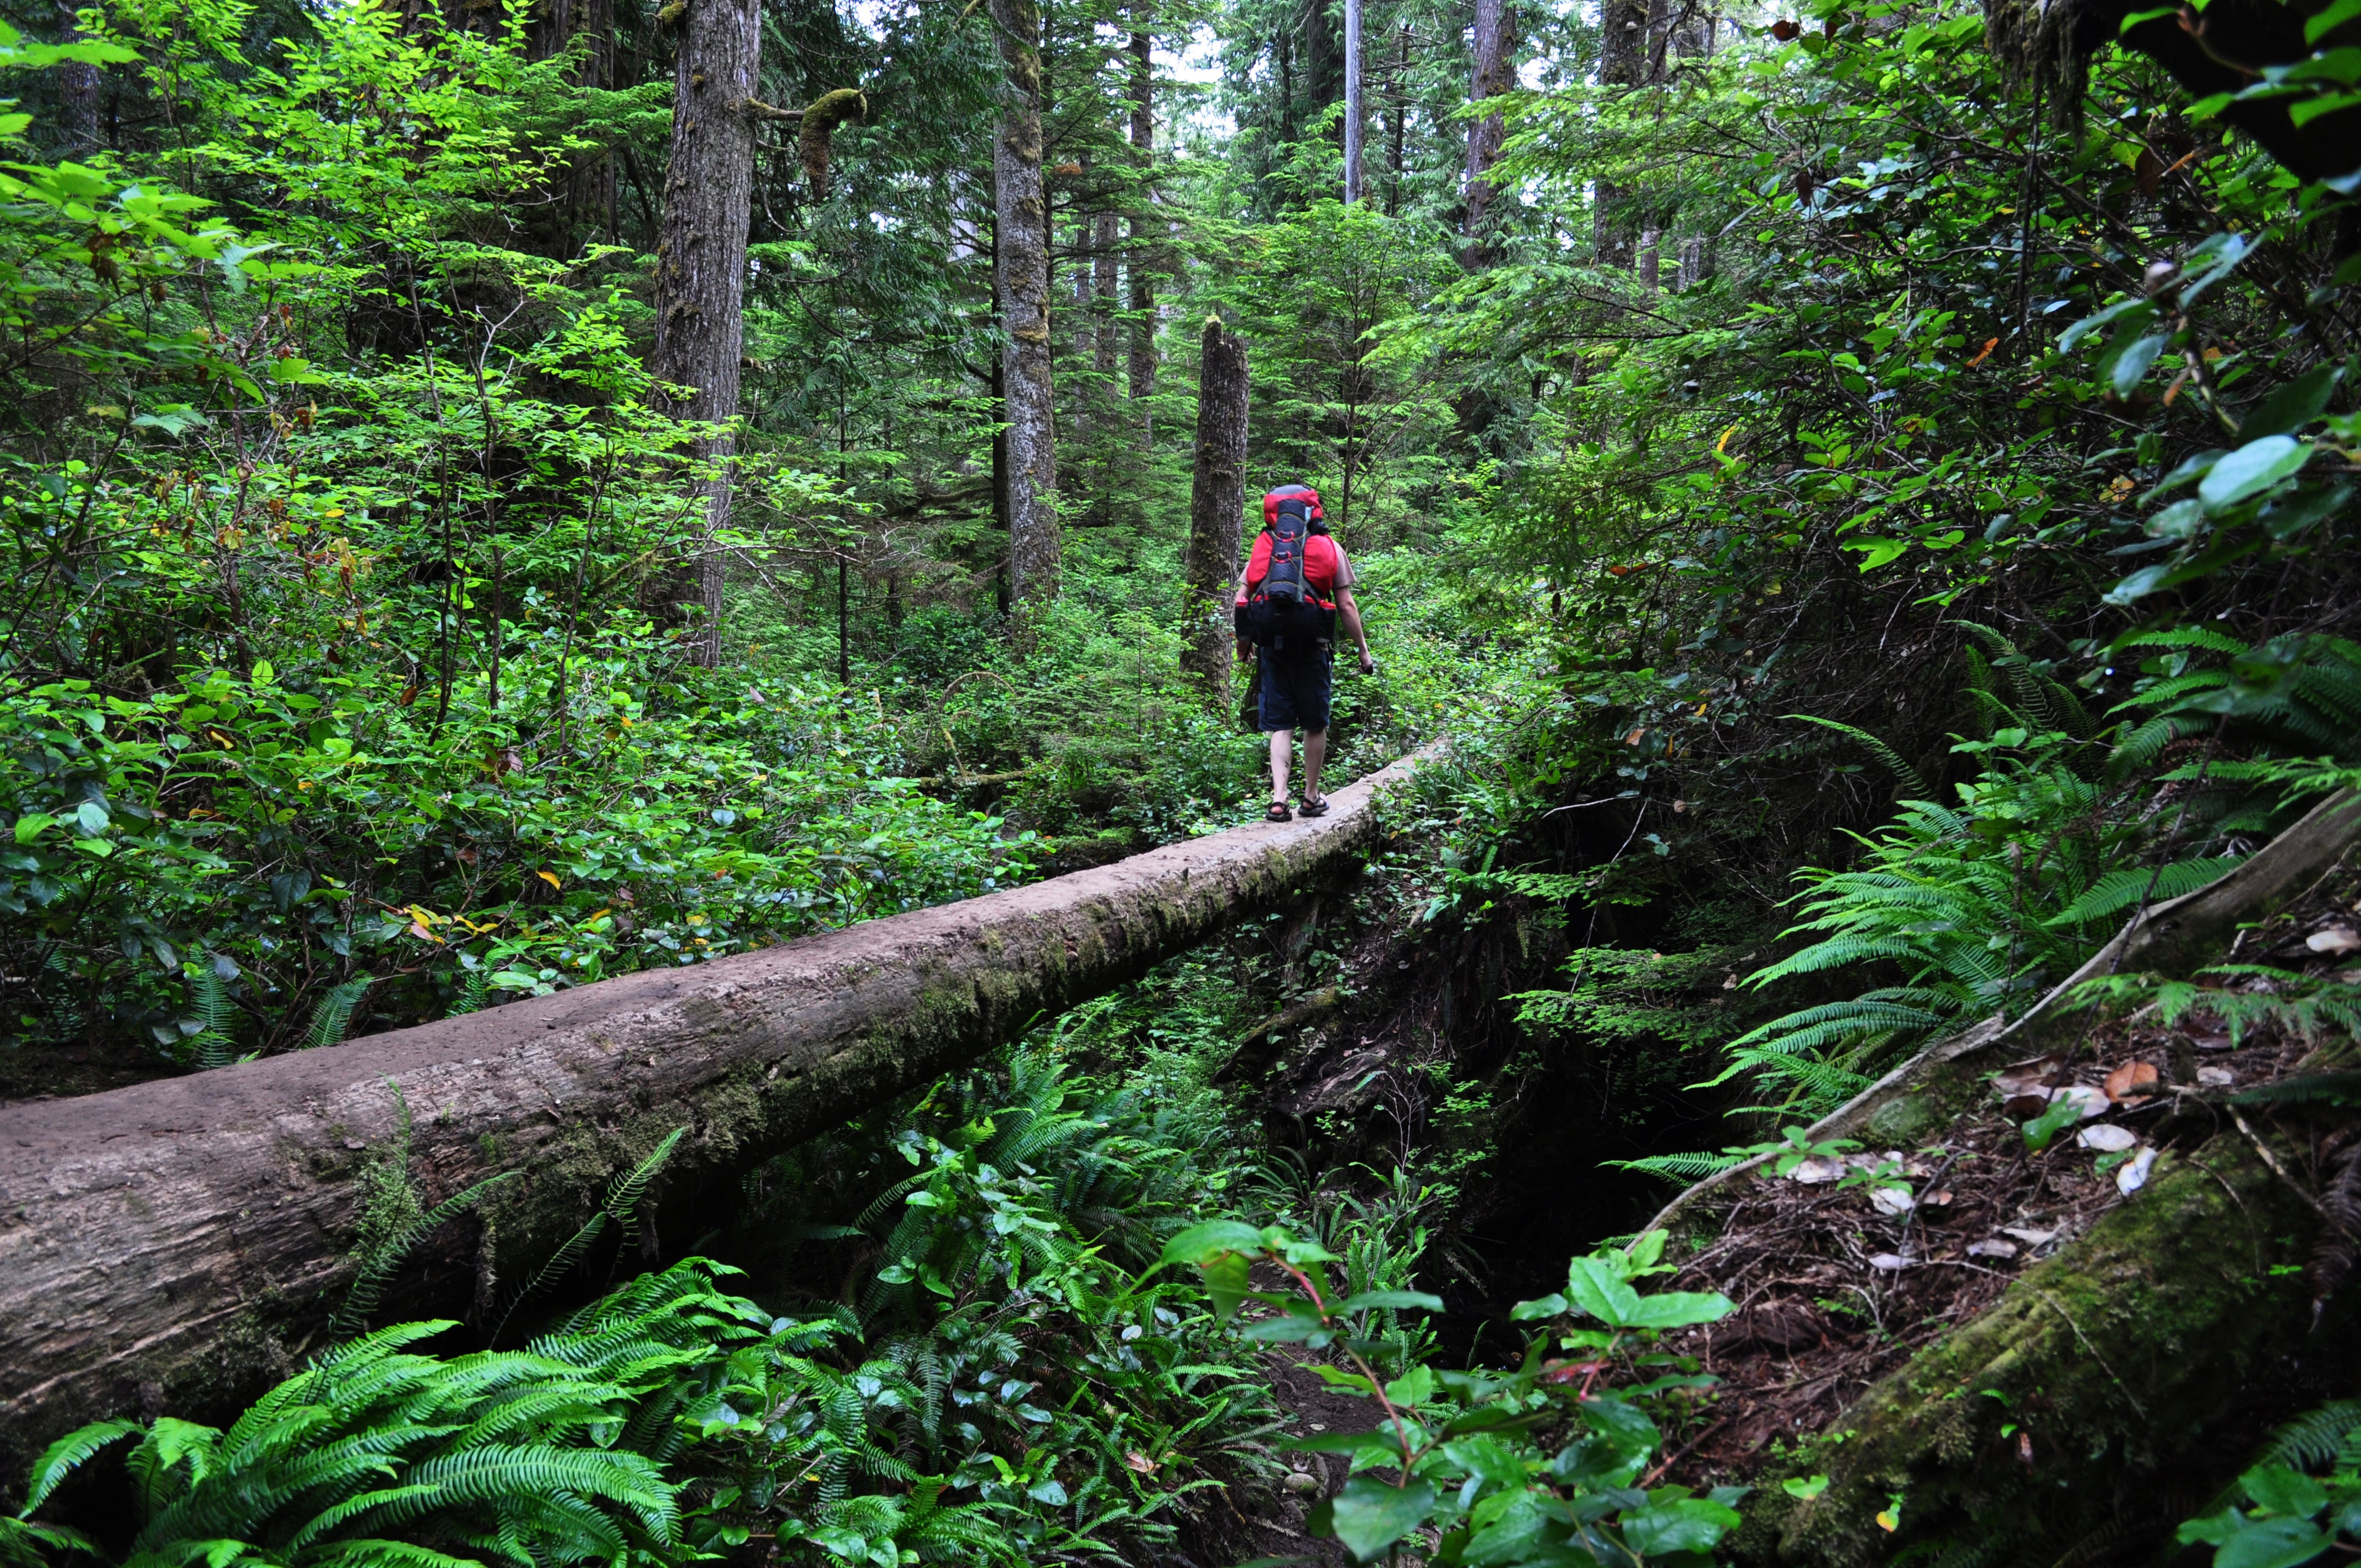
(178, 1242)
(2078, 1410)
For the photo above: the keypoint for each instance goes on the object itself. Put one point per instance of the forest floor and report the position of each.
(1841, 1272)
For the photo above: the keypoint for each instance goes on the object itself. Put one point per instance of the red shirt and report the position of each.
(1325, 568)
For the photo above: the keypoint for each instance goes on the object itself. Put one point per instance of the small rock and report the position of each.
(1888, 1261)
(1814, 1169)
(2108, 1139)
(1297, 1481)
(2216, 1076)
(1995, 1247)
(2336, 941)
(355, 1144)
(1892, 1199)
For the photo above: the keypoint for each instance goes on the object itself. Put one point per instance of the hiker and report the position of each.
(1298, 584)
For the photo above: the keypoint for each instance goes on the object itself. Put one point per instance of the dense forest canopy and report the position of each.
(504, 494)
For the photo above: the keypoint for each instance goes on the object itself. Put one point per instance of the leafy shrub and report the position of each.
(1457, 1455)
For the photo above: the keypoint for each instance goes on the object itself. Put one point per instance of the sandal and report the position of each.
(1278, 812)
(1316, 808)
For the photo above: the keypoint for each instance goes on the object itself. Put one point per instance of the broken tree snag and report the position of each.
(2098, 1387)
(193, 1237)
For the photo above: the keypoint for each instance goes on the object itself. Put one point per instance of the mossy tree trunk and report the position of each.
(1021, 281)
(701, 271)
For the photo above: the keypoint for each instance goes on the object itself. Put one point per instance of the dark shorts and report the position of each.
(1295, 690)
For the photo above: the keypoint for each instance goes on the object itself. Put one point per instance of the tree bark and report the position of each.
(181, 1243)
(1399, 91)
(1216, 507)
(701, 268)
(1021, 279)
(1622, 62)
(77, 92)
(1145, 230)
(1493, 75)
(1356, 124)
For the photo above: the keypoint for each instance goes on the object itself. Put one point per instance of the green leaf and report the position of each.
(1876, 553)
(2132, 365)
(2273, 1543)
(1622, 1424)
(1805, 1487)
(2280, 1489)
(1683, 1524)
(61, 1458)
(30, 826)
(1368, 1516)
(1546, 1307)
(1199, 1242)
(2061, 1115)
(2318, 27)
(1418, 1298)
(2292, 404)
(2252, 468)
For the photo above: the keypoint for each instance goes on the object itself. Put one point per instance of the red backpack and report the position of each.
(1284, 604)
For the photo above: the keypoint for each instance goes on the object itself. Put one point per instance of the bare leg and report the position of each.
(1316, 750)
(1282, 743)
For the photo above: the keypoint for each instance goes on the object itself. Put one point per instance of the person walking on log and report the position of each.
(1298, 585)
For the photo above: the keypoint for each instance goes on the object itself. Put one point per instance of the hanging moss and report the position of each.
(827, 111)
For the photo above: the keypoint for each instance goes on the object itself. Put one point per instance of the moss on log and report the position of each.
(2061, 1416)
(180, 1242)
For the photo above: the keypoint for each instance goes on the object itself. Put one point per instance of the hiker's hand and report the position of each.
(1368, 665)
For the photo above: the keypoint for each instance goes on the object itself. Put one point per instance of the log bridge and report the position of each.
(179, 1242)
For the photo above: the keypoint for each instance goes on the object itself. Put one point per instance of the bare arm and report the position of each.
(1350, 614)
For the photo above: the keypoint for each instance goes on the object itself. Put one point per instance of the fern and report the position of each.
(1684, 1168)
(211, 1046)
(2120, 889)
(1904, 773)
(333, 1015)
(621, 1208)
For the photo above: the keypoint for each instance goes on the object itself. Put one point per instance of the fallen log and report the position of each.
(179, 1242)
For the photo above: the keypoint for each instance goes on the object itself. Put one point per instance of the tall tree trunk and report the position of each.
(1217, 499)
(77, 92)
(1145, 228)
(1021, 279)
(1493, 75)
(701, 263)
(1398, 93)
(1354, 124)
(1622, 62)
(1106, 357)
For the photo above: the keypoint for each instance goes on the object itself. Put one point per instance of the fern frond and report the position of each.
(333, 1015)
(1911, 786)
(1684, 1168)
(2119, 890)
